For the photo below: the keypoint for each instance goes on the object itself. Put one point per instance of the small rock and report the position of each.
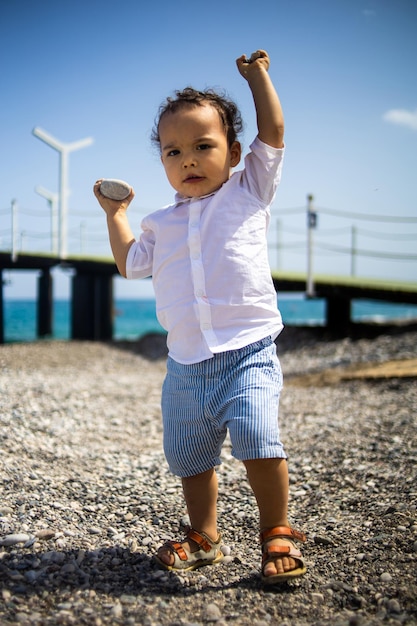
(393, 606)
(6, 595)
(228, 559)
(226, 550)
(146, 541)
(117, 611)
(385, 577)
(45, 533)
(317, 597)
(31, 576)
(115, 189)
(5, 510)
(211, 612)
(80, 556)
(12, 540)
(126, 599)
(324, 541)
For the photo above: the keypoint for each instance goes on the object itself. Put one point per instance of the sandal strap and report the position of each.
(201, 539)
(280, 532)
(273, 552)
(176, 547)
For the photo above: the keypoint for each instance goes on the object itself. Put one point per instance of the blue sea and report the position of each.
(136, 318)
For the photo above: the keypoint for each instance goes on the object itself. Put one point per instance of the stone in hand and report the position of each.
(115, 189)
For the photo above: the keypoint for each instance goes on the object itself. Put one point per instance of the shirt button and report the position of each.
(205, 326)
(200, 293)
(195, 256)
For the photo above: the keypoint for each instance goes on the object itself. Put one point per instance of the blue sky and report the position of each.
(346, 74)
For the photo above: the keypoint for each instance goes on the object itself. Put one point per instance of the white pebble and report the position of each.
(12, 540)
(117, 610)
(227, 559)
(211, 612)
(317, 597)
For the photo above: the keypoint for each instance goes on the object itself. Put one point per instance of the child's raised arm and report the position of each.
(269, 114)
(120, 233)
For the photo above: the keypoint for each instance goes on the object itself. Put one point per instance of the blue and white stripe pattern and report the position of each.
(237, 390)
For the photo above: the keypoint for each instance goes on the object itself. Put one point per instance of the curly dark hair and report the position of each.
(227, 109)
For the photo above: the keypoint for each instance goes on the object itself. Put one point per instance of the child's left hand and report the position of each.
(258, 59)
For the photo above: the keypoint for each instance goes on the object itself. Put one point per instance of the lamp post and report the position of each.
(311, 225)
(52, 199)
(14, 230)
(64, 149)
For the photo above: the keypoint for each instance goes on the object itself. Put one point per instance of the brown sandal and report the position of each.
(209, 552)
(271, 553)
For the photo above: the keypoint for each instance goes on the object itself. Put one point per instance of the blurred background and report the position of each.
(345, 71)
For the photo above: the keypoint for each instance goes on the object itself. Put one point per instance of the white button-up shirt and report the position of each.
(208, 259)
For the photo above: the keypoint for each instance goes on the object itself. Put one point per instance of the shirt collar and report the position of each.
(180, 199)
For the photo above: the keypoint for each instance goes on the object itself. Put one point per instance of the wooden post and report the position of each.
(1, 308)
(45, 304)
(338, 314)
(92, 307)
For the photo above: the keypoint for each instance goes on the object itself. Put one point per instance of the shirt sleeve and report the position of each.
(263, 169)
(139, 261)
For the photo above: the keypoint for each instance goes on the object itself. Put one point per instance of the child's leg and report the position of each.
(269, 481)
(200, 493)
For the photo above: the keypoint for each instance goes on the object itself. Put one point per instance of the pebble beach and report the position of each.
(86, 497)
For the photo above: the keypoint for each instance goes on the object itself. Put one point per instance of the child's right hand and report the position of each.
(248, 67)
(111, 207)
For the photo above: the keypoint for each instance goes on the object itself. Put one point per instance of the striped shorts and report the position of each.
(236, 391)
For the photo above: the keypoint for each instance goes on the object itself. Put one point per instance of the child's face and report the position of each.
(194, 150)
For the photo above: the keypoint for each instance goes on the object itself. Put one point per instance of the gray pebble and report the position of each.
(393, 606)
(115, 189)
